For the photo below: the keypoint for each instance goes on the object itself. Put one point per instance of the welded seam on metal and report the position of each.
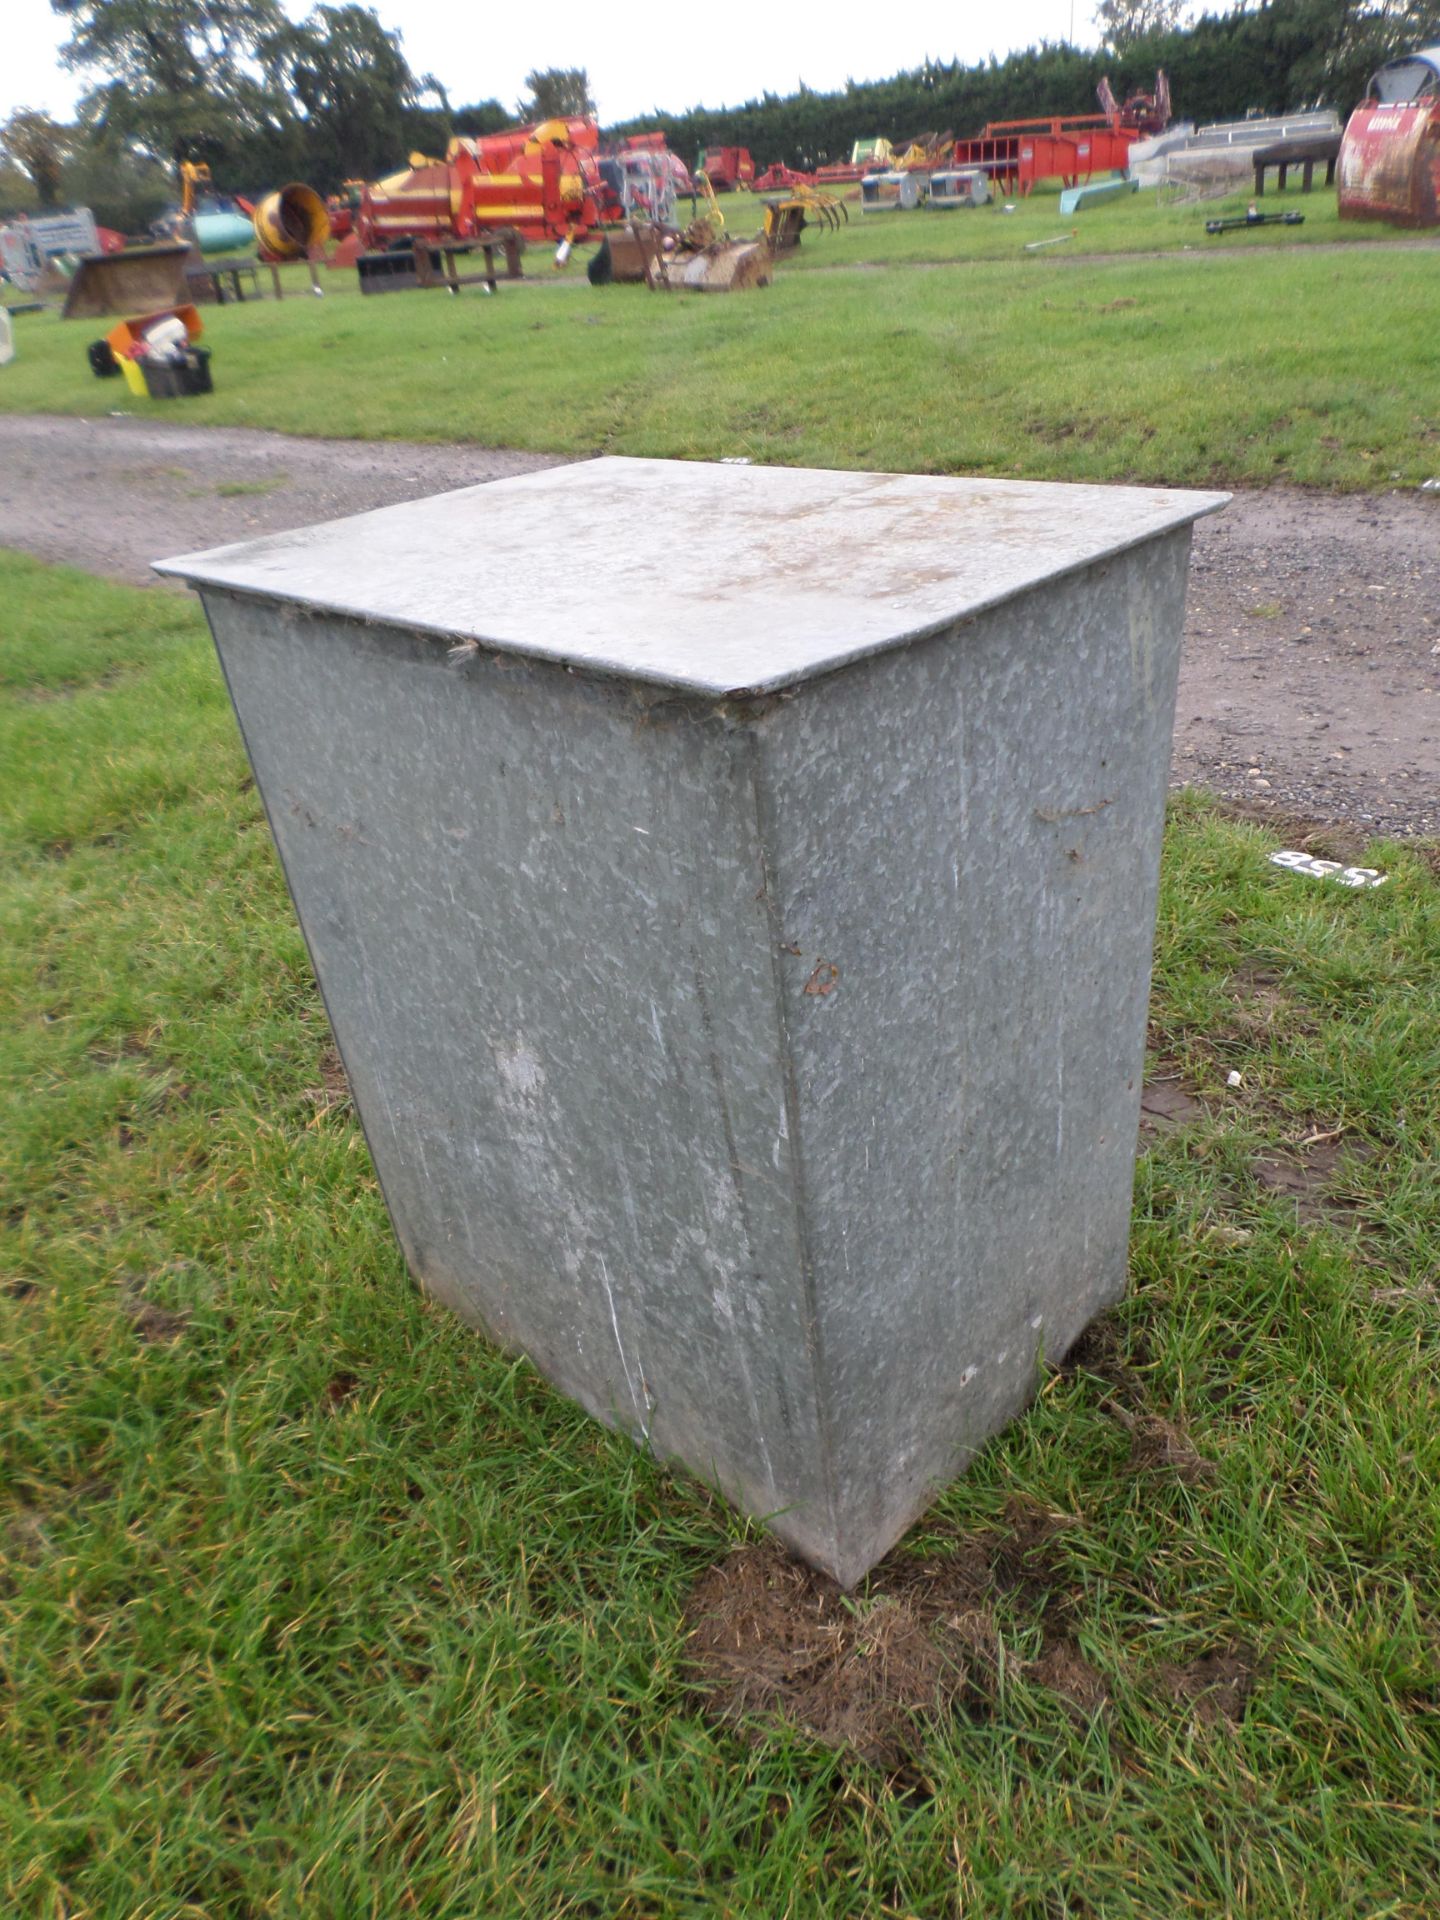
(814, 1343)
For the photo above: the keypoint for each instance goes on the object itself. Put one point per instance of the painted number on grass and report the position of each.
(1330, 870)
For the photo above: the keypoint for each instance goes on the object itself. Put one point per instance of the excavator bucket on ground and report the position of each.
(725, 266)
(1389, 162)
(699, 260)
(139, 280)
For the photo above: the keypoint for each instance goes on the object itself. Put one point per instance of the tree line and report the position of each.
(1276, 56)
(263, 99)
(237, 85)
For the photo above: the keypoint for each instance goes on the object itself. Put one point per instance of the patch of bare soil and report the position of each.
(340, 1387)
(152, 1323)
(1313, 1175)
(333, 1093)
(1101, 1352)
(1162, 1446)
(1167, 1103)
(1215, 1688)
(156, 1326)
(771, 1640)
(1066, 1672)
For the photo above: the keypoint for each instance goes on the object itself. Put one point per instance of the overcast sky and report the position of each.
(637, 58)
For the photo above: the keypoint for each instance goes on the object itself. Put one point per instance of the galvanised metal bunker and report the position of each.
(732, 890)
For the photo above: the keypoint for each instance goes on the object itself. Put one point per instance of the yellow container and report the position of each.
(124, 336)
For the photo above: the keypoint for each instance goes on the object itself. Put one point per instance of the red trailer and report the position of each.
(1389, 164)
(1017, 154)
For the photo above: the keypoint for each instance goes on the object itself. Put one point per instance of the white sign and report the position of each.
(1330, 870)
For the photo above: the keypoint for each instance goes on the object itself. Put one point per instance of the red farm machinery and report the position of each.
(866, 156)
(1141, 113)
(552, 184)
(727, 168)
(542, 183)
(778, 178)
(1018, 154)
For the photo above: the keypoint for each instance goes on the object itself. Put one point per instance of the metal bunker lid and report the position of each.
(711, 578)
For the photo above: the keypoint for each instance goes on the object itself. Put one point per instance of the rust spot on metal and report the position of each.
(1051, 815)
(824, 979)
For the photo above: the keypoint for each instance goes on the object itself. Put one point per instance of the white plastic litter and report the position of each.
(1329, 869)
(167, 339)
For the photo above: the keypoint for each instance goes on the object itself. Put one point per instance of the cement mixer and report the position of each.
(291, 223)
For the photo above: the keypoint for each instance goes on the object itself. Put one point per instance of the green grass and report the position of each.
(1255, 365)
(1141, 222)
(314, 1605)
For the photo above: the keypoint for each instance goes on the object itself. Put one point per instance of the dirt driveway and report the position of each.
(1311, 677)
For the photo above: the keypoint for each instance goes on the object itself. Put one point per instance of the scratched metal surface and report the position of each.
(534, 906)
(807, 1218)
(964, 842)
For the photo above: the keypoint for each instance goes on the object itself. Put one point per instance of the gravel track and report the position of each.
(1311, 676)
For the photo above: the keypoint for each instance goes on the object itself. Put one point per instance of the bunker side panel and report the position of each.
(535, 907)
(963, 843)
